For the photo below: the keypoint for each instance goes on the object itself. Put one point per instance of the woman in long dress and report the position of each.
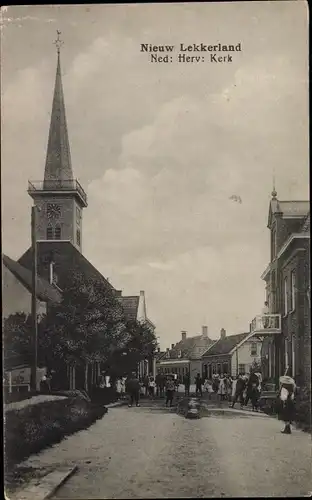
(222, 388)
(287, 399)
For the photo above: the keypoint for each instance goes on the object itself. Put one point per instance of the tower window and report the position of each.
(57, 232)
(78, 236)
(49, 233)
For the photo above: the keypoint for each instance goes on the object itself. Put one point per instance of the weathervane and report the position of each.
(58, 42)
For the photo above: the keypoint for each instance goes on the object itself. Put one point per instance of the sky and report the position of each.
(161, 148)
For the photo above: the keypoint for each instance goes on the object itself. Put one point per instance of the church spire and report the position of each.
(58, 160)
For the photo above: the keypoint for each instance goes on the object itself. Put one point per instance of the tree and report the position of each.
(88, 324)
(17, 330)
(141, 343)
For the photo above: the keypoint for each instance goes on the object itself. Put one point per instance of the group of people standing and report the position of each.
(134, 386)
(243, 388)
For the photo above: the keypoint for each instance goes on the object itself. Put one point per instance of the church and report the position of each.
(59, 201)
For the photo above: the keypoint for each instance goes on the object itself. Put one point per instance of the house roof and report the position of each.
(45, 291)
(130, 306)
(294, 208)
(66, 257)
(191, 347)
(288, 208)
(225, 346)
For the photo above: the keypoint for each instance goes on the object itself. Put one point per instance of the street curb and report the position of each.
(45, 489)
(233, 410)
(117, 403)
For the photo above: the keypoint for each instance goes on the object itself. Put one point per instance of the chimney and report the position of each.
(167, 349)
(118, 293)
(183, 334)
(222, 333)
(205, 331)
(158, 349)
(172, 346)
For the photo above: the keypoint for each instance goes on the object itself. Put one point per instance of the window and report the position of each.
(225, 368)
(219, 368)
(78, 216)
(57, 232)
(78, 237)
(49, 233)
(253, 349)
(241, 368)
(285, 297)
(293, 291)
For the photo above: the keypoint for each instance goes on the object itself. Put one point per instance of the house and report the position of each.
(231, 354)
(17, 290)
(17, 298)
(185, 355)
(287, 279)
(59, 201)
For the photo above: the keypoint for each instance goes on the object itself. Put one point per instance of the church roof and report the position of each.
(66, 257)
(45, 291)
(58, 160)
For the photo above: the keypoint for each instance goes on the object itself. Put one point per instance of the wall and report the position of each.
(67, 219)
(15, 297)
(244, 356)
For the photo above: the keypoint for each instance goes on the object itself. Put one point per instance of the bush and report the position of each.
(35, 427)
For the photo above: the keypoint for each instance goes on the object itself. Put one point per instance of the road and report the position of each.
(151, 452)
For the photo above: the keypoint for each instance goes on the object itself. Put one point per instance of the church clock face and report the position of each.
(53, 210)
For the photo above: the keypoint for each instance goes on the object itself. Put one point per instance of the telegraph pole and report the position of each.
(34, 338)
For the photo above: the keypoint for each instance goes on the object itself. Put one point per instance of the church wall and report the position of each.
(66, 219)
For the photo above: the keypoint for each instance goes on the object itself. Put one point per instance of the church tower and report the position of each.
(59, 198)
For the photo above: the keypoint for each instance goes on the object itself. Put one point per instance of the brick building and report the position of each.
(185, 355)
(287, 279)
(232, 354)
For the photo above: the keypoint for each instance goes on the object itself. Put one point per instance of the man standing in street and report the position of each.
(239, 391)
(187, 383)
(198, 385)
(133, 389)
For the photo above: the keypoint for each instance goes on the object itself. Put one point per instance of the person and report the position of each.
(158, 384)
(265, 312)
(206, 385)
(187, 383)
(151, 386)
(133, 389)
(123, 387)
(222, 388)
(229, 387)
(118, 387)
(170, 387)
(215, 383)
(45, 383)
(145, 384)
(287, 397)
(252, 384)
(198, 384)
(239, 391)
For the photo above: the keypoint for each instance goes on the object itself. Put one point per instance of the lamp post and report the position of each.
(34, 338)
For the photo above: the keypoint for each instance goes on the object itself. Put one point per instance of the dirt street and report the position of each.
(151, 452)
